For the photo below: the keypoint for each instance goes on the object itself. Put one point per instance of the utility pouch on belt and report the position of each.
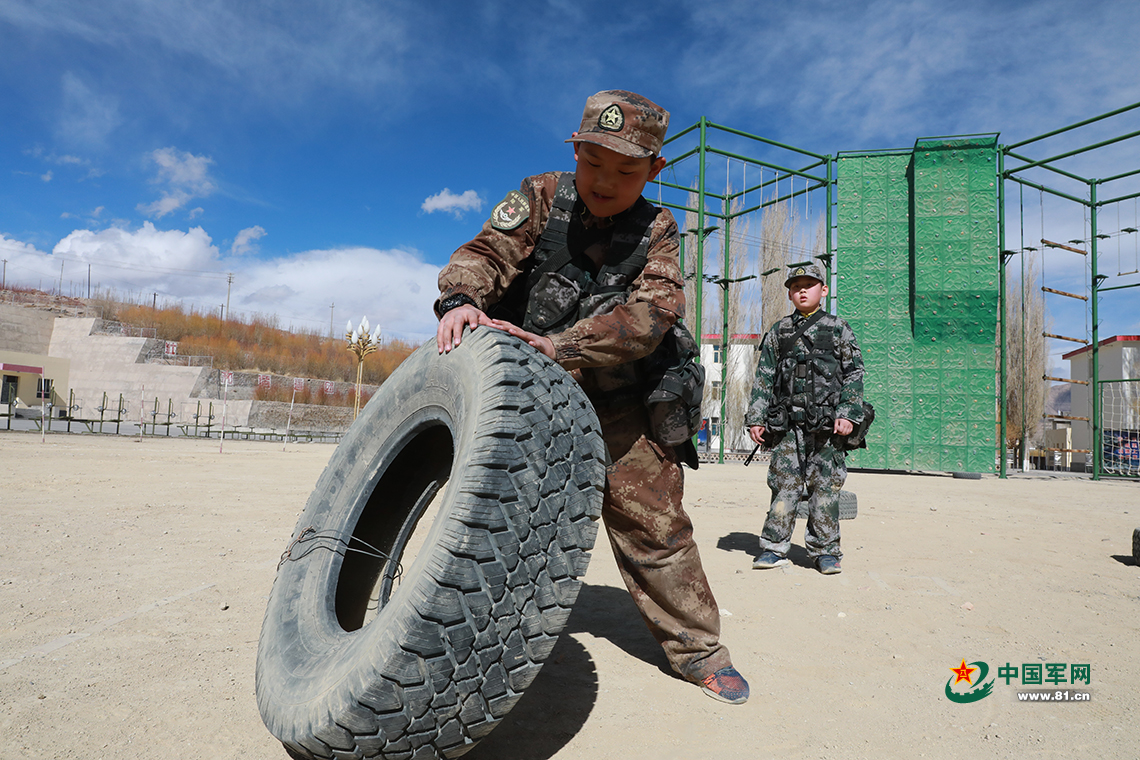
(857, 438)
(676, 384)
(777, 419)
(771, 437)
(554, 299)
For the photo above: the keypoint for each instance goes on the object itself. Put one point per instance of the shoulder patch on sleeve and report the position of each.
(510, 212)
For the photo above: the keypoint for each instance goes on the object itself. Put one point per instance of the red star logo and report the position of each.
(963, 673)
(510, 209)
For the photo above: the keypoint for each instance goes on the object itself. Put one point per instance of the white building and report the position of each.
(742, 353)
(1119, 374)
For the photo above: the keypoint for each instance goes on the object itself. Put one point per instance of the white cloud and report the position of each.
(393, 288)
(244, 240)
(14, 249)
(66, 161)
(880, 74)
(46, 176)
(146, 255)
(284, 52)
(184, 169)
(270, 295)
(86, 117)
(26, 265)
(186, 176)
(169, 202)
(445, 200)
(92, 217)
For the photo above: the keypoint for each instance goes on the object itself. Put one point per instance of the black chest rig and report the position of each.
(807, 383)
(562, 286)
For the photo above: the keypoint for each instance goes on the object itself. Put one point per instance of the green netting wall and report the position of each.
(918, 264)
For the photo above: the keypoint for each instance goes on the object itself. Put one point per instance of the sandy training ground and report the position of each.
(135, 574)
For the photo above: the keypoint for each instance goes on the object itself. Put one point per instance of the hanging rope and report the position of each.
(1042, 210)
(1133, 230)
(1120, 232)
(1087, 233)
(811, 227)
(1119, 268)
(807, 210)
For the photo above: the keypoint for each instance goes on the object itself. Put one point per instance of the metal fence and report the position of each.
(107, 327)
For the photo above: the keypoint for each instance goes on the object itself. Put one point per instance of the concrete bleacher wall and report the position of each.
(151, 390)
(24, 329)
(111, 364)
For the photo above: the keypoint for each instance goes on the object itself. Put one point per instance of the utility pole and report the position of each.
(4, 281)
(332, 311)
(59, 290)
(229, 282)
(88, 281)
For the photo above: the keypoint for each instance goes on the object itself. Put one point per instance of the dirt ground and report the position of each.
(135, 574)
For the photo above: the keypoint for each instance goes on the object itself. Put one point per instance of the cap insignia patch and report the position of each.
(612, 119)
(799, 271)
(510, 212)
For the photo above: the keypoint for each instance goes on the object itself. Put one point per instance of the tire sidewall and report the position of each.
(308, 666)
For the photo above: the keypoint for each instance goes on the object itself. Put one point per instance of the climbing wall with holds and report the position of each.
(918, 266)
(873, 293)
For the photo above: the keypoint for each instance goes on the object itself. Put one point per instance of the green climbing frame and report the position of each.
(918, 279)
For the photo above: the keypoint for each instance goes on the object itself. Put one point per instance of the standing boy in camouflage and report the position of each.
(585, 270)
(807, 397)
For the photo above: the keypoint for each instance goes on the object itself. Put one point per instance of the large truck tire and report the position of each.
(490, 458)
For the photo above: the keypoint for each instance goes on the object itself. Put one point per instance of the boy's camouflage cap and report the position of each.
(624, 122)
(804, 269)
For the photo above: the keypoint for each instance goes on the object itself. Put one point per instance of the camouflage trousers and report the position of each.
(810, 467)
(652, 540)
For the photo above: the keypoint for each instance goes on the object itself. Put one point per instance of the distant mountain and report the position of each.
(1059, 399)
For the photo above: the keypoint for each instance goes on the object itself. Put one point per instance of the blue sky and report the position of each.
(338, 152)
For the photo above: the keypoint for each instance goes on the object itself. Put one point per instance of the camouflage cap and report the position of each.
(804, 269)
(624, 122)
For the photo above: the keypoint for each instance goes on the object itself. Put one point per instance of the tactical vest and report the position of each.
(560, 287)
(807, 385)
(561, 290)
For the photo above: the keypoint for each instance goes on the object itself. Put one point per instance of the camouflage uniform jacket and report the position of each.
(601, 351)
(767, 389)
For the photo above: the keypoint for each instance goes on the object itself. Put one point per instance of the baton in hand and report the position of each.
(748, 461)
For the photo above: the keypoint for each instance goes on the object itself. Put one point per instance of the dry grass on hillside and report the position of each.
(259, 345)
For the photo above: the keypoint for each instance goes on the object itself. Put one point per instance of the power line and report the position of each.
(205, 273)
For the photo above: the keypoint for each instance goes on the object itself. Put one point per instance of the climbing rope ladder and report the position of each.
(1060, 456)
(1096, 197)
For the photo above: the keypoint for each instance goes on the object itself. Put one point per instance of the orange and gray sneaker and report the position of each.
(727, 685)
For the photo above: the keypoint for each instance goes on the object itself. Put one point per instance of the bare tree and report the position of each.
(743, 315)
(1025, 360)
(753, 305)
(689, 266)
(777, 250)
(743, 319)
